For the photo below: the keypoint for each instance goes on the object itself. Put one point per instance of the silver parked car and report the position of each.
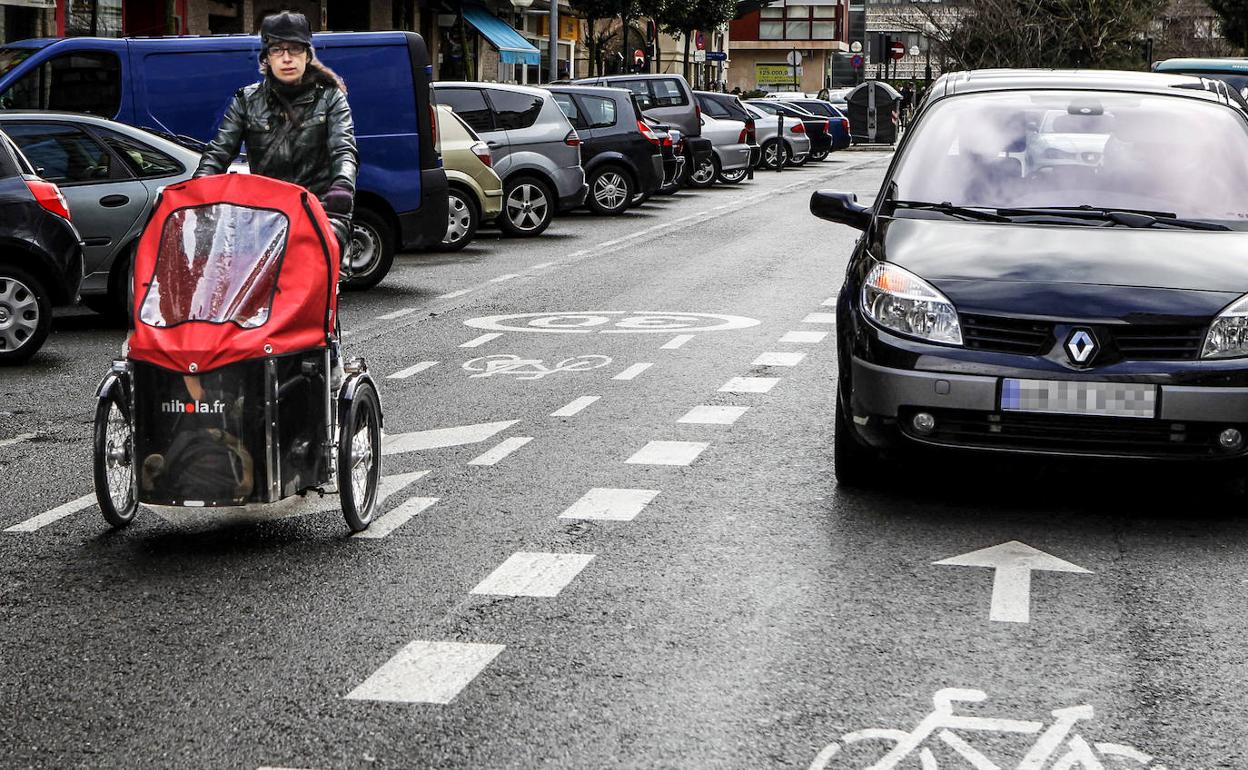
(793, 147)
(536, 151)
(731, 159)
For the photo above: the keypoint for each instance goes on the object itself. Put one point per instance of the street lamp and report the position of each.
(929, 32)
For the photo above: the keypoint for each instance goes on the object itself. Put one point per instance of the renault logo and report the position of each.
(1081, 346)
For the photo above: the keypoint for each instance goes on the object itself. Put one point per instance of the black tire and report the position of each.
(855, 465)
(704, 175)
(25, 315)
(371, 251)
(818, 156)
(359, 457)
(610, 191)
(732, 177)
(113, 459)
(528, 207)
(774, 150)
(463, 216)
(792, 162)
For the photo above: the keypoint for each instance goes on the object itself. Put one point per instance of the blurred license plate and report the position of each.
(1106, 399)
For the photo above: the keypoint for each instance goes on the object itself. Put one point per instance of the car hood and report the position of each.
(1072, 270)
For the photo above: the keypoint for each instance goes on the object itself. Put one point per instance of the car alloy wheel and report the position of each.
(733, 177)
(774, 155)
(611, 190)
(704, 174)
(19, 314)
(526, 207)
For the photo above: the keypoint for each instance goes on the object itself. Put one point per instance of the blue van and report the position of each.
(181, 86)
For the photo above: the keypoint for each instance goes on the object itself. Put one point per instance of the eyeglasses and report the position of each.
(292, 50)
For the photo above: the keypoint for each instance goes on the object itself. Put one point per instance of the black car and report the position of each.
(41, 259)
(839, 122)
(622, 157)
(1044, 272)
(729, 106)
(818, 128)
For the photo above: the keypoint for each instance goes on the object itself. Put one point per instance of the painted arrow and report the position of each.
(1011, 585)
(437, 438)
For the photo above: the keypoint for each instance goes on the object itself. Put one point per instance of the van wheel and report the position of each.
(463, 219)
(528, 207)
(371, 251)
(775, 154)
(25, 315)
(610, 191)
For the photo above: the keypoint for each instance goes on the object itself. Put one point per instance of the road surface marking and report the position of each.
(749, 385)
(610, 504)
(427, 672)
(632, 371)
(829, 302)
(454, 294)
(714, 415)
(776, 358)
(820, 318)
(668, 453)
(530, 368)
(19, 438)
(438, 438)
(500, 450)
(477, 342)
(506, 277)
(575, 406)
(803, 336)
(35, 523)
(676, 342)
(542, 265)
(396, 518)
(403, 374)
(396, 314)
(533, 574)
(1013, 563)
(612, 322)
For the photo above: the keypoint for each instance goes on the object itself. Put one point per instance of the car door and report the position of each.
(516, 113)
(105, 198)
(470, 105)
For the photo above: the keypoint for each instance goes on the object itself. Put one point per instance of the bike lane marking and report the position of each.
(403, 374)
(19, 438)
(677, 342)
(396, 518)
(829, 302)
(477, 342)
(427, 672)
(533, 574)
(668, 453)
(35, 523)
(713, 415)
(819, 318)
(632, 371)
(500, 450)
(437, 438)
(803, 337)
(749, 385)
(1012, 564)
(777, 358)
(607, 504)
(396, 314)
(575, 406)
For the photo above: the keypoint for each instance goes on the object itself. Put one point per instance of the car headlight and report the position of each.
(903, 302)
(1228, 334)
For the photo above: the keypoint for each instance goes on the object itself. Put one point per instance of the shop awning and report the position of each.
(512, 48)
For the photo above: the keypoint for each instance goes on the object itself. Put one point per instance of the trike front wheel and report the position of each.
(359, 457)
(114, 459)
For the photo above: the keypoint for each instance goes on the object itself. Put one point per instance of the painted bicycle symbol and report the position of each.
(530, 368)
(942, 727)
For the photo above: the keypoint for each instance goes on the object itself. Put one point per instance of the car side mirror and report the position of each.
(840, 207)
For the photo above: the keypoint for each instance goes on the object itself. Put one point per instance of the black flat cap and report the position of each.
(286, 26)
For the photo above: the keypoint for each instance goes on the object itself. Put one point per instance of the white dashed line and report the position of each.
(403, 374)
(542, 266)
(714, 415)
(394, 519)
(36, 523)
(803, 336)
(668, 453)
(820, 318)
(749, 385)
(676, 342)
(479, 341)
(19, 438)
(500, 450)
(829, 302)
(610, 504)
(506, 277)
(632, 371)
(437, 438)
(775, 358)
(396, 314)
(454, 294)
(427, 672)
(574, 406)
(533, 574)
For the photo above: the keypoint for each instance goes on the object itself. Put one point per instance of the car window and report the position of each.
(599, 111)
(86, 81)
(668, 93)
(770, 109)
(568, 106)
(12, 161)
(639, 87)
(818, 108)
(64, 153)
(144, 161)
(467, 128)
(713, 108)
(469, 104)
(513, 110)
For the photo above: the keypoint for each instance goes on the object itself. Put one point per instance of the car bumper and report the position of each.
(733, 157)
(572, 188)
(491, 203)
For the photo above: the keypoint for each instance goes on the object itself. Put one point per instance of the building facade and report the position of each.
(791, 45)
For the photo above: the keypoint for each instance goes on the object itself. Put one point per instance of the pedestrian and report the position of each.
(736, 90)
(296, 122)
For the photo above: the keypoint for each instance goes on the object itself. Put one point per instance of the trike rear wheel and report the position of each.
(359, 457)
(114, 459)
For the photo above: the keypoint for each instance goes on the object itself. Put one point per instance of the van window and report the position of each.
(599, 111)
(667, 93)
(65, 154)
(83, 81)
(568, 106)
(470, 105)
(144, 161)
(514, 110)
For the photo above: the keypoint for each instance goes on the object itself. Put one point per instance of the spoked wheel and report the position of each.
(818, 155)
(610, 191)
(527, 208)
(114, 460)
(732, 177)
(703, 174)
(359, 458)
(775, 154)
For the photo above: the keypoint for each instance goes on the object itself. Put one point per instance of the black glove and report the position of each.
(338, 201)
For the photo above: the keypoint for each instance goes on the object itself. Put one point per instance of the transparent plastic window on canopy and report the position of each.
(217, 263)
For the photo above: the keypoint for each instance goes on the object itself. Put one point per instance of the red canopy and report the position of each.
(233, 267)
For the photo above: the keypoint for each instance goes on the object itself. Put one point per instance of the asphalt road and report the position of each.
(557, 591)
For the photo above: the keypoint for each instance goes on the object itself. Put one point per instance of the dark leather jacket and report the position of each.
(318, 153)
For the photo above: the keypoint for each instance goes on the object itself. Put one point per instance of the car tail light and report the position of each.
(744, 136)
(697, 112)
(49, 196)
(751, 131)
(799, 127)
(650, 136)
(433, 125)
(845, 124)
(482, 151)
(573, 139)
(827, 126)
(667, 141)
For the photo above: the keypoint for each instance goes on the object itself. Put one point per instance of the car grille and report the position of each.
(1158, 343)
(1134, 342)
(1006, 335)
(1069, 434)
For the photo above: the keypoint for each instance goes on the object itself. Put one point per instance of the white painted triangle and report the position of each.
(438, 438)
(1013, 554)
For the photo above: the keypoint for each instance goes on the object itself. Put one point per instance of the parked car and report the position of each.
(731, 142)
(817, 127)
(791, 148)
(622, 157)
(474, 191)
(836, 117)
(41, 259)
(537, 152)
(987, 308)
(719, 105)
(182, 86)
(1232, 71)
(672, 145)
(1059, 139)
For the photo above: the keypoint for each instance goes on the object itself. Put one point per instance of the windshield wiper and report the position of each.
(956, 211)
(1126, 217)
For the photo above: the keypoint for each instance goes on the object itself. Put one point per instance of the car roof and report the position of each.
(1227, 65)
(56, 116)
(1078, 80)
(618, 93)
(634, 76)
(532, 91)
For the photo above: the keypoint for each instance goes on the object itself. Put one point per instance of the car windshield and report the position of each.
(1066, 149)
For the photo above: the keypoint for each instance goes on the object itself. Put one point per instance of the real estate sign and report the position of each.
(773, 73)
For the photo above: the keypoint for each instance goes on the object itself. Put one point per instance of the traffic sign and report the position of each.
(856, 61)
(794, 58)
(639, 56)
(699, 41)
(716, 56)
(699, 55)
(897, 50)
